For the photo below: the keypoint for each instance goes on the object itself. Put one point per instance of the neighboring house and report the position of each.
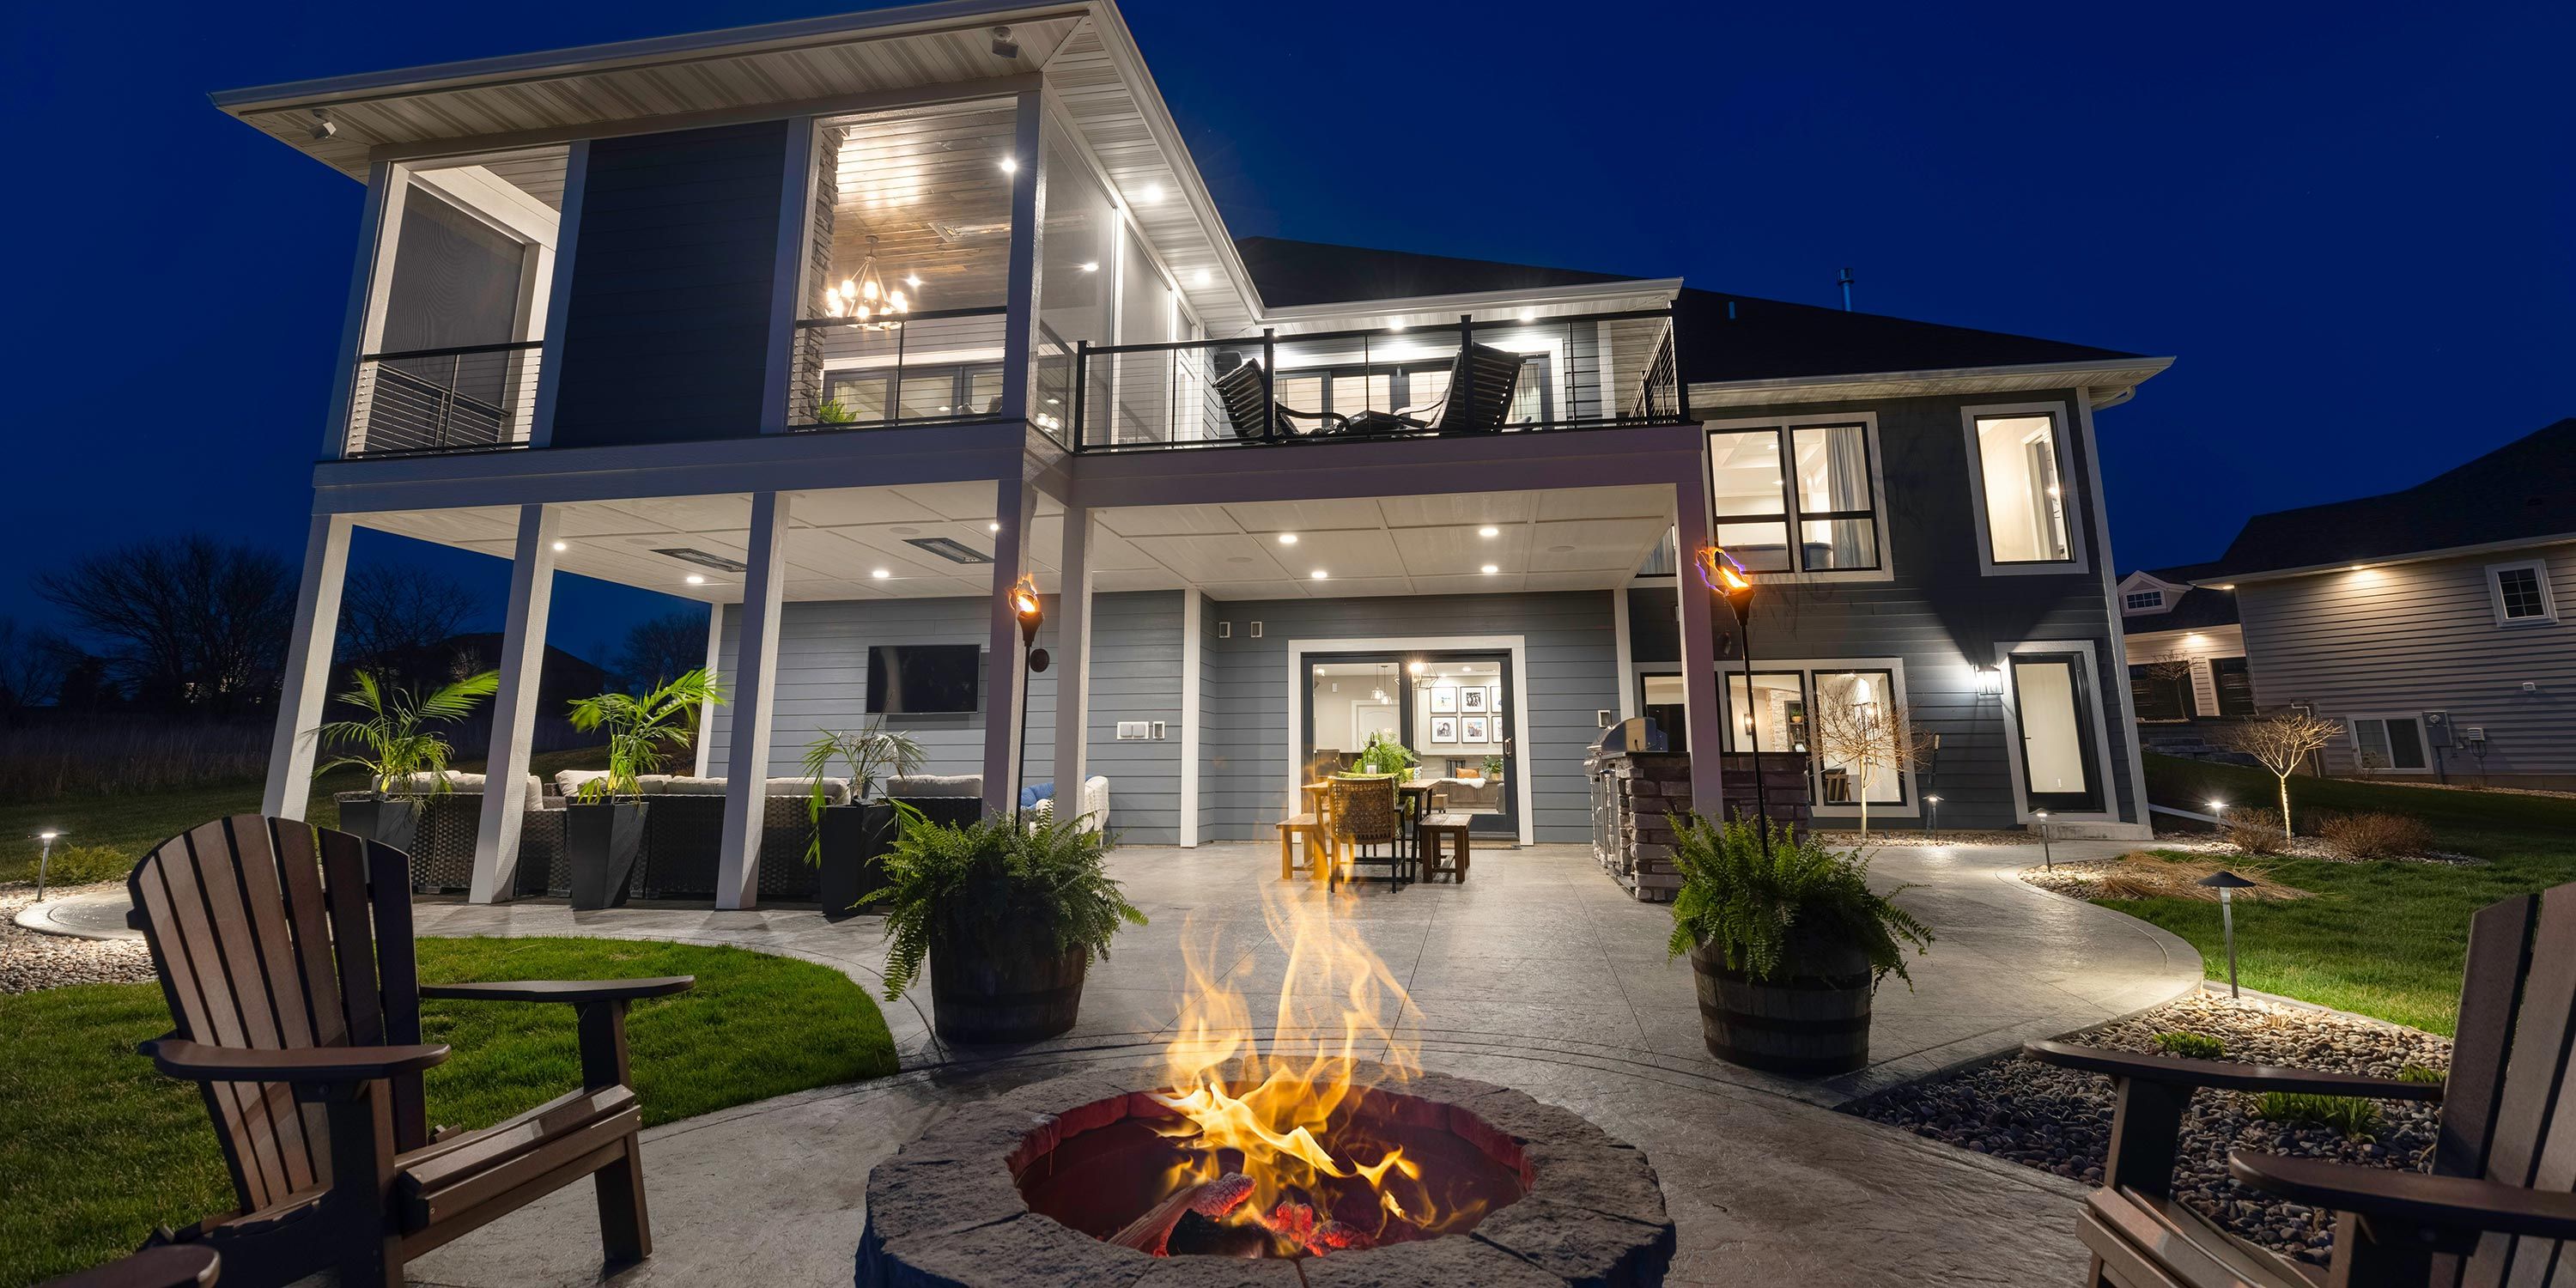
(2186, 651)
(846, 326)
(2433, 622)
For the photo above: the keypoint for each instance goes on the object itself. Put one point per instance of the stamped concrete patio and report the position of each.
(1539, 973)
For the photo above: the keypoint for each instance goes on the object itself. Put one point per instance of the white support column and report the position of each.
(1073, 661)
(308, 667)
(1015, 509)
(1627, 647)
(514, 707)
(753, 683)
(707, 710)
(1193, 616)
(1701, 709)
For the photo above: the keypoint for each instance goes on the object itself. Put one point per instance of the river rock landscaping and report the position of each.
(2059, 1120)
(30, 961)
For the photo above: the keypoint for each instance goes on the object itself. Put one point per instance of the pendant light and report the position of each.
(863, 297)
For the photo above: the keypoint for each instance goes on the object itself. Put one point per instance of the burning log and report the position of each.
(1152, 1232)
(1296, 1223)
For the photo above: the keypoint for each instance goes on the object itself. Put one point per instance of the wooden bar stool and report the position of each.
(1436, 830)
(1318, 847)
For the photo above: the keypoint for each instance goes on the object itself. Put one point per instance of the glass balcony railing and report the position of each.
(1470, 377)
(929, 368)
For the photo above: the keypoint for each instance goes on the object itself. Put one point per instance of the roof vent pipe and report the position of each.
(1846, 284)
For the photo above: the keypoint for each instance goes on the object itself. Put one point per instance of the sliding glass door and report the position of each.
(1454, 709)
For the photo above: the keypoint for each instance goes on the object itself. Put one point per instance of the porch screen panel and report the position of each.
(1144, 385)
(1075, 299)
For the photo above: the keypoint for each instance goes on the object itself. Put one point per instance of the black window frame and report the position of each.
(1793, 519)
(2129, 600)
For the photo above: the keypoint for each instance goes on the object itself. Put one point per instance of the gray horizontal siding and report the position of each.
(1572, 659)
(1135, 675)
(2419, 637)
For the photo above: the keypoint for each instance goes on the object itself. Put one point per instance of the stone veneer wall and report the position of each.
(1637, 796)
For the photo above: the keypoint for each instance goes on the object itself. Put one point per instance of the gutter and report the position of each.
(2228, 581)
(2124, 375)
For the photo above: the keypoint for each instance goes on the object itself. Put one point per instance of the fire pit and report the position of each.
(1400, 1178)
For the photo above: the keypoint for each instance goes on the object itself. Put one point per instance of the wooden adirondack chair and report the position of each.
(2496, 1208)
(285, 952)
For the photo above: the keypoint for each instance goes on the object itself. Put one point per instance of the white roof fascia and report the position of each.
(1663, 288)
(2227, 581)
(2105, 374)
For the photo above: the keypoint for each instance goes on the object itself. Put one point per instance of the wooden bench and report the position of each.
(1318, 846)
(1434, 830)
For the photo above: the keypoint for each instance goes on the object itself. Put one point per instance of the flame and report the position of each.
(1335, 1026)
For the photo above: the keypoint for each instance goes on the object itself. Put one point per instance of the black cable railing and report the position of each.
(476, 397)
(1474, 376)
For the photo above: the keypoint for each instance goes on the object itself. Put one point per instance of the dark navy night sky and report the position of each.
(2351, 224)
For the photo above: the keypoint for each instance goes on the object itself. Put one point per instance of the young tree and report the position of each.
(190, 623)
(663, 648)
(392, 614)
(2282, 742)
(1864, 740)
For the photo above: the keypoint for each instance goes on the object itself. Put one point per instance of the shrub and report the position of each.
(1745, 903)
(2347, 1114)
(996, 881)
(2375, 836)
(2421, 1073)
(2190, 1046)
(2254, 831)
(71, 865)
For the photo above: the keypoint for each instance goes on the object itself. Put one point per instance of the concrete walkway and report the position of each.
(1539, 973)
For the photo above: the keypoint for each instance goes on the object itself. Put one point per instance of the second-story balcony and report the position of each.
(1472, 376)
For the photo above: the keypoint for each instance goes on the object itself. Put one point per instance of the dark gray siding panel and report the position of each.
(1135, 675)
(666, 336)
(1570, 650)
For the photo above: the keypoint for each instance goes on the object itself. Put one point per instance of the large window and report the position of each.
(1795, 498)
(1849, 721)
(2519, 592)
(2020, 472)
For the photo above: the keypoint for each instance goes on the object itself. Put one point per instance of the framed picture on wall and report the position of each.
(1472, 699)
(1474, 726)
(1444, 728)
(1494, 699)
(1444, 698)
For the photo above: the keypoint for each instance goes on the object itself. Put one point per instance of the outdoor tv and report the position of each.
(923, 679)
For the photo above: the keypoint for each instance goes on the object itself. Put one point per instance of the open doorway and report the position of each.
(1454, 709)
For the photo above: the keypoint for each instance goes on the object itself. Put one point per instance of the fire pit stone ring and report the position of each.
(947, 1212)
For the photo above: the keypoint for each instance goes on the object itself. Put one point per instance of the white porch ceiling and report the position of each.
(837, 542)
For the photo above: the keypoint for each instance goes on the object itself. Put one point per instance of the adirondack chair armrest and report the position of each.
(2173, 1071)
(2456, 1203)
(197, 1062)
(562, 990)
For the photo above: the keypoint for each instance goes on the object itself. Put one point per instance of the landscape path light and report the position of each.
(2046, 859)
(1932, 815)
(45, 858)
(2227, 884)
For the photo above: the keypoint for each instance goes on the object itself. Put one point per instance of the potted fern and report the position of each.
(402, 754)
(1007, 913)
(850, 839)
(604, 826)
(1786, 941)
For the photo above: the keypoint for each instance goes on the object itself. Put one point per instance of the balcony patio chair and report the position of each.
(2496, 1207)
(285, 954)
(1496, 379)
(1242, 392)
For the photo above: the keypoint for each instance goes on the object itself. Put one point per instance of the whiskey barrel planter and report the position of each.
(1811, 1018)
(1005, 992)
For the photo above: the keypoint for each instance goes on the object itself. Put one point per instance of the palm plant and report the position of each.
(395, 742)
(641, 730)
(1748, 902)
(995, 882)
(872, 752)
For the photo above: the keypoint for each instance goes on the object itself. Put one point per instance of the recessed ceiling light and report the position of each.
(1489, 532)
(1287, 538)
(1152, 193)
(1317, 575)
(1010, 165)
(882, 573)
(913, 281)
(1528, 314)
(695, 580)
(1090, 266)
(993, 526)
(561, 546)
(1200, 278)
(1491, 569)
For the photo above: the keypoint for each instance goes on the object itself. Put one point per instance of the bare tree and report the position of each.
(190, 623)
(2172, 666)
(1865, 739)
(2282, 742)
(392, 613)
(32, 663)
(663, 648)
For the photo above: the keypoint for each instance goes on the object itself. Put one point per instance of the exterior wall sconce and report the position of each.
(1990, 681)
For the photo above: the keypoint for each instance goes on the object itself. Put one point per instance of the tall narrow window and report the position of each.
(1750, 505)
(1835, 529)
(2025, 497)
(1773, 717)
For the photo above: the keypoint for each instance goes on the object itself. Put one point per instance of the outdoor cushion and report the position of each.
(684, 785)
(936, 785)
(569, 781)
(1035, 792)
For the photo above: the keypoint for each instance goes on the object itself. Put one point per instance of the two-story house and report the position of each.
(2432, 621)
(848, 326)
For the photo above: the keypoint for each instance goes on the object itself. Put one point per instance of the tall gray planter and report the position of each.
(392, 821)
(855, 839)
(602, 841)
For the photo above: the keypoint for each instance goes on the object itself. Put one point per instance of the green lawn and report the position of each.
(2383, 939)
(96, 1148)
(106, 828)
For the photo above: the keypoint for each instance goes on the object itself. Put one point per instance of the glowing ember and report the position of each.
(1322, 1177)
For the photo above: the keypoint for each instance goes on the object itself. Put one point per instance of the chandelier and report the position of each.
(863, 297)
